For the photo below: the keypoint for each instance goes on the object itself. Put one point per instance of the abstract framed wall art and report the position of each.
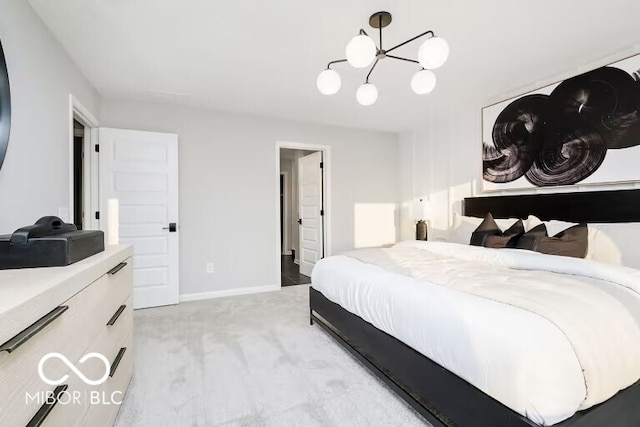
(583, 130)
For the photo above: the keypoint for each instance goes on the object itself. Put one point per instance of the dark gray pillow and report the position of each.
(490, 235)
(487, 227)
(572, 242)
(529, 240)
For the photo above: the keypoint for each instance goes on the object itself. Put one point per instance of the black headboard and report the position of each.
(588, 206)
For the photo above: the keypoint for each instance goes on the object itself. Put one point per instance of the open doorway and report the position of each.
(83, 167)
(78, 174)
(303, 210)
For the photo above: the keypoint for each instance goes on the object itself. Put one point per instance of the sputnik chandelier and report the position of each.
(361, 51)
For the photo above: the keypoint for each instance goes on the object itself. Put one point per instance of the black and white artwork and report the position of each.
(5, 107)
(584, 130)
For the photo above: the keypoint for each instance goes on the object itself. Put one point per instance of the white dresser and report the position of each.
(77, 313)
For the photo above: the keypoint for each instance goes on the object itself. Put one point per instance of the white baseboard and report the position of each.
(286, 253)
(295, 261)
(228, 293)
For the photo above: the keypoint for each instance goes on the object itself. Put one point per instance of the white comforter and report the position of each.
(545, 335)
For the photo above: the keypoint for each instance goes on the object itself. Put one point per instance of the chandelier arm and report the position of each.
(403, 59)
(412, 39)
(371, 70)
(380, 27)
(363, 32)
(337, 61)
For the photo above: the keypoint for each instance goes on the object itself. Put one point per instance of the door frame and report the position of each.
(326, 190)
(285, 213)
(91, 196)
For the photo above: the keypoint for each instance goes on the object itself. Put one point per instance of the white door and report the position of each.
(310, 211)
(140, 169)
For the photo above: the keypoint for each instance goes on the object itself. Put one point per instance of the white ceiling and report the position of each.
(263, 57)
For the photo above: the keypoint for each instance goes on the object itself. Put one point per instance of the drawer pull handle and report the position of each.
(114, 365)
(117, 314)
(32, 330)
(45, 409)
(117, 268)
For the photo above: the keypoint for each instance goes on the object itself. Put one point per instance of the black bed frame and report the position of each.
(443, 398)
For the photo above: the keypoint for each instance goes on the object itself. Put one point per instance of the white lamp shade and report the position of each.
(423, 82)
(367, 94)
(329, 82)
(361, 51)
(113, 222)
(433, 53)
(421, 210)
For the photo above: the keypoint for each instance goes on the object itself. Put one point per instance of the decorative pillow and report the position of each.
(529, 240)
(487, 227)
(572, 242)
(464, 226)
(490, 235)
(475, 221)
(509, 237)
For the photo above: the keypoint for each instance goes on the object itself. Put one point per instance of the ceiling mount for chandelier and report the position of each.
(362, 50)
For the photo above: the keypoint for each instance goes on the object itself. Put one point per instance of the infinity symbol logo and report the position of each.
(79, 374)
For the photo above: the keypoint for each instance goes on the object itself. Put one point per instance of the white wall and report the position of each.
(34, 180)
(443, 160)
(229, 182)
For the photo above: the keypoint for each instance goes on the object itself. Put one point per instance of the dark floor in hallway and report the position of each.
(291, 273)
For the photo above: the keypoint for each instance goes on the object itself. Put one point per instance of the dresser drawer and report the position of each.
(110, 292)
(67, 335)
(109, 340)
(112, 392)
(118, 382)
(72, 405)
(102, 400)
(97, 319)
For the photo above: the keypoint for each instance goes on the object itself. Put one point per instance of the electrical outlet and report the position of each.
(209, 267)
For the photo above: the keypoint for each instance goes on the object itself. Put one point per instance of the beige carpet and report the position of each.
(251, 361)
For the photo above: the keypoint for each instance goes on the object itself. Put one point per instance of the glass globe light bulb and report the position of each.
(433, 53)
(367, 94)
(361, 51)
(329, 82)
(423, 82)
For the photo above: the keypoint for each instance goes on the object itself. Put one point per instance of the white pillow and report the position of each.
(460, 231)
(615, 243)
(459, 219)
(554, 227)
(505, 223)
(439, 235)
(531, 222)
(601, 247)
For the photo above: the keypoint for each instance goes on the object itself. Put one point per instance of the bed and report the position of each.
(567, 355)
